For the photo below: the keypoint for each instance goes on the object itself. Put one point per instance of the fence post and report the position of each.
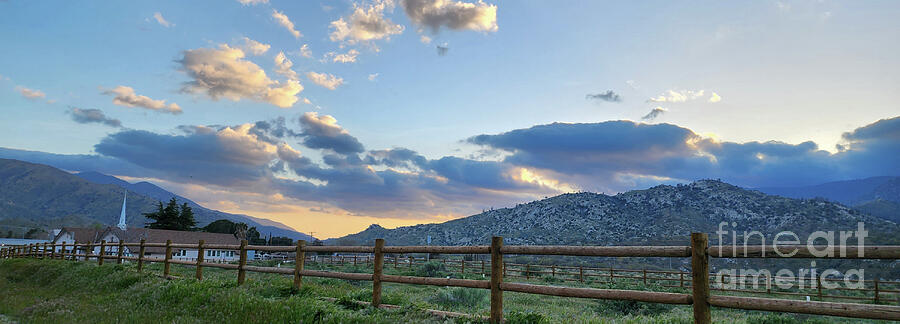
(700, 278)
(141, 256)
(44, 251)
(120, 252)
(166, 265)
(411, 261)
(102, 252)
(527, 271)
(482, 267)
(242, 263)
(376, 273)
(681, 279)
(645, 277)
(552, 271)
(581, 274)
(497, 269)
(299, 261)
(876, 291)
(200, 254)
(396, 258)
(462, 266)
(819, 287)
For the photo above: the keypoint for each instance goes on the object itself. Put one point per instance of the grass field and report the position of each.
(53, 291)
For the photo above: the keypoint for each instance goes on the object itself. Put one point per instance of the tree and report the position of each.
(222, 226)
(186, 218)
(34, 233)
(253, 237)
(171, 217)
(281, 241)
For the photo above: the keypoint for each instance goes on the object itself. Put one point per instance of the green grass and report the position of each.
(53, 291)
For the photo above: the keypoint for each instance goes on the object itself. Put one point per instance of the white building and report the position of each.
(112, 236)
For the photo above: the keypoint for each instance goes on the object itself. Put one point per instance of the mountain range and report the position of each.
(37, 195)
(878, 196)
(663, 214)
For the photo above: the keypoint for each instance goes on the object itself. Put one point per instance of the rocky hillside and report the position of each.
(659, 215)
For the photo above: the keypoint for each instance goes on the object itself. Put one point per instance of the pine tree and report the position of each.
(171, 217)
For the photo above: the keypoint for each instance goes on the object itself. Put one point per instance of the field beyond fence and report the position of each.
(697, 280)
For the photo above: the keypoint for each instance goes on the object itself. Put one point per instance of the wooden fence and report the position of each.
(698, 252)
(877, 291)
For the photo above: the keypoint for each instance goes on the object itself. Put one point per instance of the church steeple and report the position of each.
(122, 225)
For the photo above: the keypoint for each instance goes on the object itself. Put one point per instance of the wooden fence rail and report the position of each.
(698, 281)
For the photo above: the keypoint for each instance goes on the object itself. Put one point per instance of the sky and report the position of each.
(329, 116)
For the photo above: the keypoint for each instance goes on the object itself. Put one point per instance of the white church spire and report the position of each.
(122, 216)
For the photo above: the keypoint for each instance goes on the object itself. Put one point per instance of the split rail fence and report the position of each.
(877, 291)
(699, 253)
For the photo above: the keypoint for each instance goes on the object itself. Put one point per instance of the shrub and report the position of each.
(432, 269)
(622, 307)
(516, 317)
(469, 298)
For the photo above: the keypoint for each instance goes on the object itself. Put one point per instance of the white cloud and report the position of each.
(31, 93)
(252, 2)
(456, 15)
(365, 24)
(348, 57)
(425, 39)
(373, 76)
(125, 96)
(162, 21)
(678, 96)
(715, 97)
(285, 22)
(223, 73)
(283, 66)
(254, 47)
(305, 51)
(325, 80)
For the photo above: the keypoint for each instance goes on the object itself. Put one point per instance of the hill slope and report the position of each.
(202, 214)
(659, 215)
(36, 195)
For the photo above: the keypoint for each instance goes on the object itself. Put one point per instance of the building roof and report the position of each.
(134, 235)
(81, 234)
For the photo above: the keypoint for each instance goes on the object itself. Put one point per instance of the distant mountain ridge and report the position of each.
(659, 215)
(878, 196)
(848, 192)
(42, 196)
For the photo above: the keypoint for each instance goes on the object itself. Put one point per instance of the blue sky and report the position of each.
(725, 78)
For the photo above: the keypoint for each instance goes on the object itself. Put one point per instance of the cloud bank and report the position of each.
(455, 15)
(125, 96)
(224, 73)
(266, 158)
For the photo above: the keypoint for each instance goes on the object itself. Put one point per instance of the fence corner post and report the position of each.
(141, 256)
(242, 263)
(496, 280)
(120, 252)
(200, 255)
(100, 257)
(299, 261)
(376, 272)
(166, 265)
(700, 278)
